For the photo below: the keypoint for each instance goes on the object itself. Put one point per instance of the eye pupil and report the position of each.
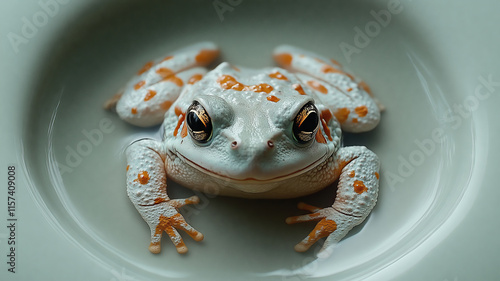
(310, 123)
(306, 124)
(199, 123)
(195, 123)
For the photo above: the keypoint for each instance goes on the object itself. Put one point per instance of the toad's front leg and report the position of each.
(356, 196)
(147, 189)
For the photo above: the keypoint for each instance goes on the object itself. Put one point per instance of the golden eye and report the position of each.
(306, 123)
(199, 123)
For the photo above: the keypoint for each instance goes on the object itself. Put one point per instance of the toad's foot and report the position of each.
(165, 216)
(356, 196)
(147, 189)
(332, 224)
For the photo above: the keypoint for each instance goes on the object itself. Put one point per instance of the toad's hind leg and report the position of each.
(356, 196)
(149, 94)
(350, 99)
(147, 189)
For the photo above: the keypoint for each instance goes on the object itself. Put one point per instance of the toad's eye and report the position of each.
(306, 124)
(199, 123)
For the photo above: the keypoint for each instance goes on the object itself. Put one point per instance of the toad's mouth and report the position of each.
(250, 180)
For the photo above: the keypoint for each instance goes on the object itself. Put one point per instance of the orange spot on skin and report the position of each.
(335, 62)
(184, 131)
(167, 58)
(142, 177)
(228, 82)
(145, 68)
(355, 120)
(273, 98)
(342, 114)
(263, 87)
(178, 111)
(361, 111)
(349, 90)
(338, 169)
(149, 95)
(284, 59)
(139, 85)
(377, 175)
(277, 75)
(195, 78)
(179, 123)
(182, 117)
(327, 225)
(134, 110)
(352, 174)
(317, 86)
(176, 80)
(164, 72)
(350, 76)
(299, 89)
(128, 166)
(206, 56)
(326, 116)
(167, 224)
(319, 60)
(359, 187)
(330, 69)
(327, 130)
(166, 105)
(365, 87)
(155, 246)
(324, 228)
(319, 137)
(159, 200)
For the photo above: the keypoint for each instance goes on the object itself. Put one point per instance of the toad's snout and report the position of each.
(253, 155)
(252, 149)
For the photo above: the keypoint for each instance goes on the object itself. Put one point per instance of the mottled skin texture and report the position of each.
(250, 147)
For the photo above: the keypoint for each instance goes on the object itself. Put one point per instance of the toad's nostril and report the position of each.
(270, 144)
(234, 144)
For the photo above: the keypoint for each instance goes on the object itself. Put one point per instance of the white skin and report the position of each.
(269, 133)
